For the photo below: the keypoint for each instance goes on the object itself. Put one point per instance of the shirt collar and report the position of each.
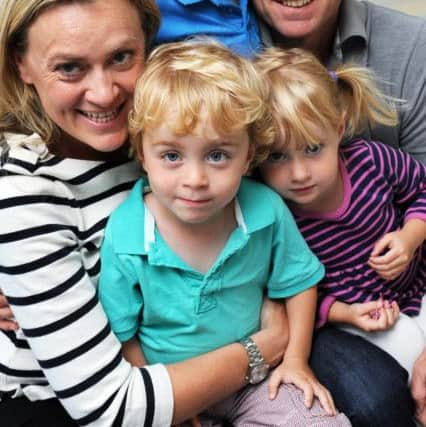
(249, 212)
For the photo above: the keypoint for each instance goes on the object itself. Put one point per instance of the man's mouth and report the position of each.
(295, 3)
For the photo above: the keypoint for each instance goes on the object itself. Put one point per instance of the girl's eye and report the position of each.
(312, 150)
(217, 156)
(277, 156)
(171, 156)
(122, 57)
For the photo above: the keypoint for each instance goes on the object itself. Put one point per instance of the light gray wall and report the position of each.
(413, 7)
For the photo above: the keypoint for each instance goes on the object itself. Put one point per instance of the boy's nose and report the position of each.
(195, 176)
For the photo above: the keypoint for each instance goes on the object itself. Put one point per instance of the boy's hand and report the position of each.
(6, 316)
(392, 254)
(373, 316)
(294, 370)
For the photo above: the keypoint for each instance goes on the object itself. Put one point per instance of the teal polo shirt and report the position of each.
(177, 312)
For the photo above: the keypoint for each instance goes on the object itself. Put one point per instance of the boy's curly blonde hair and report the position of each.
(201, 75)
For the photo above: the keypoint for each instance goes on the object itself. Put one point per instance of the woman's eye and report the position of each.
(277, 156)
(171, 156)
(312, 150)
(217, 156)
(69, 68)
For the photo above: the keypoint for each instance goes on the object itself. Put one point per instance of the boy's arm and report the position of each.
(133, 353)
(294, 368)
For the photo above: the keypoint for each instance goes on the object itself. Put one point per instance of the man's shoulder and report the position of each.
(382, 20)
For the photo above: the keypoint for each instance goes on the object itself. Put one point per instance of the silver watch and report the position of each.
(258, 369)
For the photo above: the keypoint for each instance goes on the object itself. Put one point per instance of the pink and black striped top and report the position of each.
(383, 188)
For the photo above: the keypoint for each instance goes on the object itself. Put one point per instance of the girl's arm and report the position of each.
(294, 368)
(393, 253)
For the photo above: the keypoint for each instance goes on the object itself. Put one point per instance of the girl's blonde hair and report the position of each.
(20, 107)
(304, 92)
(202, 76)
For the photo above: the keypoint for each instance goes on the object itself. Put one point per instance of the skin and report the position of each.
(418, 387)
(85, 73)
(78, 67)
(311, 27)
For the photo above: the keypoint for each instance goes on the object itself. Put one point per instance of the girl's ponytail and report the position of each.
(364, 104)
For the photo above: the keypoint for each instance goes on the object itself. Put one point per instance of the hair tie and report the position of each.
(333, 75)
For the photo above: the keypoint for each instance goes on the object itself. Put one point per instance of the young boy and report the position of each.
(187, 258)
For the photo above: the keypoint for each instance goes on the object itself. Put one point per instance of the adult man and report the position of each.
(390, 43)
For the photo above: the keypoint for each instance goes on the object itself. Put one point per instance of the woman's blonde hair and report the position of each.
(304, 92)
(20, 107)
(202, 76)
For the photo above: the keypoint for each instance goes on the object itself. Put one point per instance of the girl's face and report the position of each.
(83, 60)
(194, 177)
(307, 178)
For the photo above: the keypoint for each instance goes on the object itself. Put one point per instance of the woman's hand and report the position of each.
(294, 370)
(7, 322)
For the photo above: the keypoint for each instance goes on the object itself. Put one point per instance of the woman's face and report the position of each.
(83, 60)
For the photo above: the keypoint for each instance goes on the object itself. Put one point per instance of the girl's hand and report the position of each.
(7, 323)
(392, 254)
(374, 316)
(294, 370)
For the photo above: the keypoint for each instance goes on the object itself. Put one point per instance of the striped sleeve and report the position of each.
(43, 275)
(407, 177)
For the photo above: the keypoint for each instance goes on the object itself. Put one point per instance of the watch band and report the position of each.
(258, 369)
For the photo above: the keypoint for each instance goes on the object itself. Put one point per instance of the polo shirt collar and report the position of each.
(250, 216)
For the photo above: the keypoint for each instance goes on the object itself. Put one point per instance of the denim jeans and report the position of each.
(367, 384)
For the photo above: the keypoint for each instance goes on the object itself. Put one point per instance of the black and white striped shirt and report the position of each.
(52, 216)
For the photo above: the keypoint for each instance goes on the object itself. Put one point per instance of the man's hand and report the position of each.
(418, 387)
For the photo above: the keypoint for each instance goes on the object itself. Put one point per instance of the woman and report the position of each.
(67, 75)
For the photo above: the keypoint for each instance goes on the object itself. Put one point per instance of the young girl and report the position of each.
(361, 206)
(187, 258)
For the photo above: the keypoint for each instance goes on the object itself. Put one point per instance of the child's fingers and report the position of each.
(381, 245)
(308, 392)
(8, 325)
(275, 381)
(325, 399)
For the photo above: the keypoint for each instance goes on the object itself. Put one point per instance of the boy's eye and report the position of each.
(217, 156)
(277, 156)
(171, 156)
(312, 150)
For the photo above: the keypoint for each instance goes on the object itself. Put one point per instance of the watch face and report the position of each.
(258, 373)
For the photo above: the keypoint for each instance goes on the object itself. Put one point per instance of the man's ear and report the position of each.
(24, 69)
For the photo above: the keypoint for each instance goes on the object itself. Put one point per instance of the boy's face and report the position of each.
(307, 177)
(194, 177)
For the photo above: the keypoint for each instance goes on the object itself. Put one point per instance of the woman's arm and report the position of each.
(202, 381)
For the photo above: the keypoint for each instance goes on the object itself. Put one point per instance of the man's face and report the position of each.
(298, 19)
